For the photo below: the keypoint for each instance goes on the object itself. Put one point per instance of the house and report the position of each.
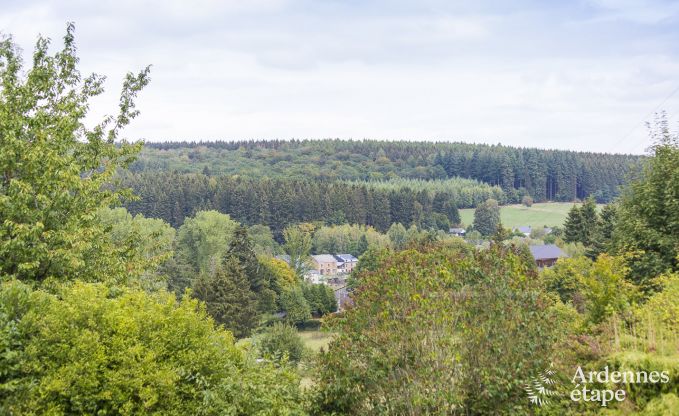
(313, 276)
(325, 264)
(460, 232)
(346, 262)
(525, 230)
(546, 255)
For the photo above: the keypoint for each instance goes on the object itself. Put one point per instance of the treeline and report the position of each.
(543, 174)
(280, 202)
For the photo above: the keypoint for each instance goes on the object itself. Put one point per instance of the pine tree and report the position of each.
(241, 248)
(228, 298)
(451, 211)
(573, 225)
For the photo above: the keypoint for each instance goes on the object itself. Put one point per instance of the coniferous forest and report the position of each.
(321, 277)
(369, 182)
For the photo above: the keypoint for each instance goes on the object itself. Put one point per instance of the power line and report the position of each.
(645, 118)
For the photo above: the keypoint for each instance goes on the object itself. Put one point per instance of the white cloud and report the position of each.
(282, 69)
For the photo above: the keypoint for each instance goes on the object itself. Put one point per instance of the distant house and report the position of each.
(325, 264)
(525, 230)
(460, 232)
(313, 276)
(546, 255)
(346, 262)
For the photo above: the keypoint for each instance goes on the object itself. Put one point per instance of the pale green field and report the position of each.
(549, 213)
(315, 340)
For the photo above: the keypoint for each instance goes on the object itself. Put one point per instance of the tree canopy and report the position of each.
(55, 170)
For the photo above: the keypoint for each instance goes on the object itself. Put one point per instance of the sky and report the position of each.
(581, 75)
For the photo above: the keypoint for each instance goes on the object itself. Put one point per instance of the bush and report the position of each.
(295, 306)
(432, 332)
(527, 201)
(90, 349)
(280, 340)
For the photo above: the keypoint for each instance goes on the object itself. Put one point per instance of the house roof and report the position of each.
(457, 230)
(324, 258)
(345, 258)
(525, 229)
(547, 251)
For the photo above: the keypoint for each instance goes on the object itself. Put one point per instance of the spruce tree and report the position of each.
(573, 225)
(228, 298)
(241, 248)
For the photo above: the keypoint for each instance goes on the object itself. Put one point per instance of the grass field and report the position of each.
(315, 340)
(549, 213)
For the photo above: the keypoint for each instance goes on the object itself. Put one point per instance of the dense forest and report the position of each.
(554, 175)
(280, 202)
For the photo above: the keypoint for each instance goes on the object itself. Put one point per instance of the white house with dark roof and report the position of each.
(346, 262)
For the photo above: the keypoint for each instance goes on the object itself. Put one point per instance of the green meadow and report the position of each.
(549, 213)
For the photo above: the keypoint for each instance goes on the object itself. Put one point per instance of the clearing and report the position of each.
(540, 214)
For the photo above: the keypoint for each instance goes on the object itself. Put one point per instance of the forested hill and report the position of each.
(544, 174)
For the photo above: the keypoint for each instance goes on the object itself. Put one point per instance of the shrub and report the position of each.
(527, 201)
(295, 306)
(432, 332)
(280, 340)
(90, 349)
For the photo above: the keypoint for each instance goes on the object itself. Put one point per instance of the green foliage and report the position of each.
(487, 217)
(662, 308)
(543, 174)
(56, 173)
(277, 274)
(647, 223)
(642, 393)
(295, 306)
(145, 243)
(432, 332)
(228, 298)
(280, 341)
(263, 241)
(298, 246)
(582, 223)
(204, 239)
(398, 236)
(241, 249)
(352, 239)
(597, 289)
(527, 201)
(320, 297)
(90, 349)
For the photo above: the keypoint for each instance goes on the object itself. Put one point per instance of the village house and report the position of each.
(525, 230)
(546, 255)
(325, 264)
(346, 263)
(460, 232)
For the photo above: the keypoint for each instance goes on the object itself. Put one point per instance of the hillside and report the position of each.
(546, 175)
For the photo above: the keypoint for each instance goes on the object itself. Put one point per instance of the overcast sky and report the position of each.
(582, 75)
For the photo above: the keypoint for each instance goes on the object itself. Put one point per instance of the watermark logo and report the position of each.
(542, 388)
(590, 386)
